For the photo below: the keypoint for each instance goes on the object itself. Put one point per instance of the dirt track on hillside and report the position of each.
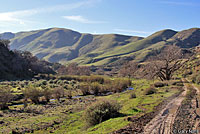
(163, 122)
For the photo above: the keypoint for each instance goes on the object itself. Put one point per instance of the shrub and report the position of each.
(100, 111)
(120, 85)
(84, 87)
(178, 83)
(198, 79)
(194, 76)
(133, 95)
(95, 88)
(186, 73)
(150, 90)
(37, 109)
(58, 92)
(106, 88)
(98, 79)
(47, 92)
(159, 84)
(33, 93)
(68, 93)
(5, 97)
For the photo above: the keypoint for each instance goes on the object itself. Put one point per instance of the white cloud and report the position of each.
(20, 18)
(81, 19)
(16, 16)
(132, 31)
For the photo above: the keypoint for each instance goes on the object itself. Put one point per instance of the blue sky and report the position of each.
(131, 17)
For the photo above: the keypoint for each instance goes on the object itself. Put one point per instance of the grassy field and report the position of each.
(66, 116)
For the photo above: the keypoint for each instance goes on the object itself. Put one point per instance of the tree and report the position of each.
(164, 64)
(5, 43)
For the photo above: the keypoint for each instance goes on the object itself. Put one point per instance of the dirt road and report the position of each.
(163, 122)
(196, 108)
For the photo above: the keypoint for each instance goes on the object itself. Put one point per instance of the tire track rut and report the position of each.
(163, 122)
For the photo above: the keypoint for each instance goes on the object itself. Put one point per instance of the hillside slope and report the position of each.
(19, 65)
(58, 44)
(64, 45)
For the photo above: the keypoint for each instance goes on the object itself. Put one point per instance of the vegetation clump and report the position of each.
(5, 97)
(133, 95)
(196, 78)
(100, 111)
(36, 109)
(33, 93)
(159, 84)
(150, 90)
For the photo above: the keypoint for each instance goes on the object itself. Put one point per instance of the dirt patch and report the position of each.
(185, 118)
(138, 123)
(163, 121)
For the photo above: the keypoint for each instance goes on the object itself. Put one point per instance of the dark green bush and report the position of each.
(100, 111)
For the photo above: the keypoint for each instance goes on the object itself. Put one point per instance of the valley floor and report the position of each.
(66, 116)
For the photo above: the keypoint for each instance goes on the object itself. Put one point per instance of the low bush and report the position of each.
(33, 93)
(198, 79)
(95, 88)
(5, 97)
(58, 93)
(68, 93)
(120, 85)
(176, 82)
(150, 90)
(100, 111)
(85, 89)
(160, 84)
(47, 93)
(36, 109)
(133, 95)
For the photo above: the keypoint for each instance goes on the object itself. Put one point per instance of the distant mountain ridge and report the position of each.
(65, 45)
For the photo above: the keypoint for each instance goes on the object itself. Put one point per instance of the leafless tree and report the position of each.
(164, 64)
(74, 69)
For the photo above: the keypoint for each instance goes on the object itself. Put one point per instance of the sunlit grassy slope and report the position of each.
(65, 46)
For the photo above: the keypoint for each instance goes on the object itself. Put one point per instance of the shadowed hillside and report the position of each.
(18, 64)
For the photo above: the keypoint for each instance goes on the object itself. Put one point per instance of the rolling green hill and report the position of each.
(64, 45)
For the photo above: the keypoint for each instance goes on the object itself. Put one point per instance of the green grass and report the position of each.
(129, 108)
(73, 123)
